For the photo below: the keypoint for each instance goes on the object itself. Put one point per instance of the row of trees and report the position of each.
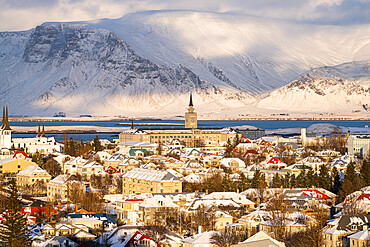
(80, 148)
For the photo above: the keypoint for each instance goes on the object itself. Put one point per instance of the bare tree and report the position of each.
(227, 238)
(278, 213)
(205, 218)
(312, 236)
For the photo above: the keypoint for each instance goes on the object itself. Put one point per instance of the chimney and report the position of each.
(237, 191)
(196, 193)
(206, 191)
(199, 229)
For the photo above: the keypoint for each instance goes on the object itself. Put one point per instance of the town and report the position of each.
(185, 187)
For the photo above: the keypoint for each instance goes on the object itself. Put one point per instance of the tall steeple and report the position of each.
(2, 125)
(191, 106)
(39, 131)
(191, 100)
(43, 130)
(191, 116)
(6, 122)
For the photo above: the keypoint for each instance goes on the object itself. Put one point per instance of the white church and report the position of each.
(41, 143)
(5, 131)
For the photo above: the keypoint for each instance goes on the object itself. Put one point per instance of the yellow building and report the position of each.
(33, 179)
(190, 135)
(10, 167)
(359, 239)
(150, 181)
(353, 227)
(57, 189)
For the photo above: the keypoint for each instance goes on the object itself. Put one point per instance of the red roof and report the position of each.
(316, 194)
(134, 200)
(274, 161)
(363, 196)
(38, 210)
(245, 139)
(20, 152)
(263, 142)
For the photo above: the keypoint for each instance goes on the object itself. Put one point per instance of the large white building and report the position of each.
(359, 144)
(41, 143)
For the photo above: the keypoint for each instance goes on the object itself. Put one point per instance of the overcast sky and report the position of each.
(25, 14)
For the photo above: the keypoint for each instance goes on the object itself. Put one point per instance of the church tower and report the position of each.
(191, 121)
(5, 131)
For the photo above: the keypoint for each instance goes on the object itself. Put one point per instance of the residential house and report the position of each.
(203, 239)
(172, 163)
(236, 197)
(192, 166)
(337, 230)
(155, 210)
(210, 160)
(359, 239)
(33, 179)
(57, 188)
(71, 166)
(10, 167)
(89, 168)
(236, 165)
(150, 181)
(260, 239)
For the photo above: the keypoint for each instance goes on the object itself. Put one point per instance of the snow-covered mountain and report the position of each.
(147, 63)
(341, 88)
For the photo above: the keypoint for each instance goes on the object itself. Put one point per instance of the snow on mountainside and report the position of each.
(147, 63)
(341, 88)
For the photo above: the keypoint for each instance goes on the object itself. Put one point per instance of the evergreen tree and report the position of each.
(276, 181)
(38, 159)
(229, 148)
(13, 227)
(301, 181)
(365, 172)
(243, 184)
(311, 178)
(97, 144)
(292, 181)
(324, 180)
(336, 183)
(286, 181)
(351, 182)
(256, 179)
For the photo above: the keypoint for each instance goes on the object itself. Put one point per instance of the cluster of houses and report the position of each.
(148, 170)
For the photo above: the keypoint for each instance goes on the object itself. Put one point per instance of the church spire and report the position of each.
(2, 125)
(39, 131)
(43, 130)
(191, 100)
(6, 122)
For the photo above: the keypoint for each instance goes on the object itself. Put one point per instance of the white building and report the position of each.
(42, 145)
(359, 144)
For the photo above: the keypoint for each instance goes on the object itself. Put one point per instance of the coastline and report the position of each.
(210, 118)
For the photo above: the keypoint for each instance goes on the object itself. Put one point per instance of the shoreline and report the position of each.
(260, 118)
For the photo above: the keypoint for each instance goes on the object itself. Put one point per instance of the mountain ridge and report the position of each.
(140, 64)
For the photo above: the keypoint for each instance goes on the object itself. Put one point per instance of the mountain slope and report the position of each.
(342, 88)
(147, 63)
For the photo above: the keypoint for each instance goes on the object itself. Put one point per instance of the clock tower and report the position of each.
(191, 116)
